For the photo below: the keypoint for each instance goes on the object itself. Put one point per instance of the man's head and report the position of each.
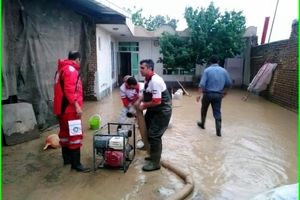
(214, 59)
(131, 82)
(74, 55)
(146, 67)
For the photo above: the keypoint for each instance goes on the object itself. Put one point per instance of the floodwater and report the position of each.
(257, 152)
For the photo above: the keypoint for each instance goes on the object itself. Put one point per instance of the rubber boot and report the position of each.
(119, 127)
(66, 155)
(75, 162)
(202, 123)
(148, 158)
(218, 127)
(154, 162)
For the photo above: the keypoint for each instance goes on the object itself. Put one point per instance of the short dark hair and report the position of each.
(213, 59)
(73, 55)
(131, 81)
(149, 63)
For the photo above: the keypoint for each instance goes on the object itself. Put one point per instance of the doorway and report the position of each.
(125, 64)
(128, 59)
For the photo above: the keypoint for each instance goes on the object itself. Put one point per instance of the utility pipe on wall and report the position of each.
(273, 20)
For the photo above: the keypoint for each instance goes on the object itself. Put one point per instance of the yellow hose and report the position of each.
(142, 128)
(187, 178)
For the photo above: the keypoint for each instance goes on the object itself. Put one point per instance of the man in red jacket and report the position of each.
(68, 102)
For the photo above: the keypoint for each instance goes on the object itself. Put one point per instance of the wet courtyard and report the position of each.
(257, 152)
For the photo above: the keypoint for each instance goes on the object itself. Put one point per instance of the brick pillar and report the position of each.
(294, 32)
(92, 68)
(292, 48)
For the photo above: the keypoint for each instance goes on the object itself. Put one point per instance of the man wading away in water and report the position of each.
(157, 101)
(214, 84)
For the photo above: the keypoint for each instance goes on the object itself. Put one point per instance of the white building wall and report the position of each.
(115, 64)
(147, 50)
(103, 80)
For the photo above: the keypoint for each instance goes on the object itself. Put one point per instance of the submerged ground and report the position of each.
(257, 151)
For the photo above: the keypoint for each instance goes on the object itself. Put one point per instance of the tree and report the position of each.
(213, 33)
(176, 51)
(151, 23)
(137, 18)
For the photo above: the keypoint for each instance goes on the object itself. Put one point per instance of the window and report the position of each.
(178, 71)
(128, 46)
(113, 68)
(99, 43)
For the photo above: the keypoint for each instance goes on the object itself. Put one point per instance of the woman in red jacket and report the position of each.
(68, 101)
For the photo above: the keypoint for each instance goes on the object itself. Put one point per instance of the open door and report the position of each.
(125, 65)
(135, 64)
(129, 60)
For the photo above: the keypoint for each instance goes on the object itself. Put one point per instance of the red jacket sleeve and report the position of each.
(156, 100)
(125, 102)
(70, 76)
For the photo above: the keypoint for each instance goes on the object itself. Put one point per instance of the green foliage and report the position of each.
(151, 23)
(176, 51)
(214, 33)
(137, 18)
(210, 32)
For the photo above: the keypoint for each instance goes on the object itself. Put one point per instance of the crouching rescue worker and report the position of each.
(68, 101)
(131, 92)
(157, 101)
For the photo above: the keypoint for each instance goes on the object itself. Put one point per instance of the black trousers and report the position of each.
(215, 99)
(157, 122)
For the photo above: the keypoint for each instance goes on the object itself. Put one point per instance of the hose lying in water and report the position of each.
(188, 179)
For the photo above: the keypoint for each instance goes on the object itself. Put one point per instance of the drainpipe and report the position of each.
(273, 21)
(265, 30)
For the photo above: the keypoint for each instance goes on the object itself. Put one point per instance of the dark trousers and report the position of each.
(156, 123)
(71, 156)
(215, 99)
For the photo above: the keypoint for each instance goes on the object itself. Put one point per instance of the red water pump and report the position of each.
(114, 150)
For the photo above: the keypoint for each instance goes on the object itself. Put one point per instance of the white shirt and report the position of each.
(156, 86)
(131, 94)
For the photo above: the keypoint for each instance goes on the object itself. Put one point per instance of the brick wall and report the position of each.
(89, 93)
(283, 88)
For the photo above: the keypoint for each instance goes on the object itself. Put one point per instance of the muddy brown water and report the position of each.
(257, 151)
